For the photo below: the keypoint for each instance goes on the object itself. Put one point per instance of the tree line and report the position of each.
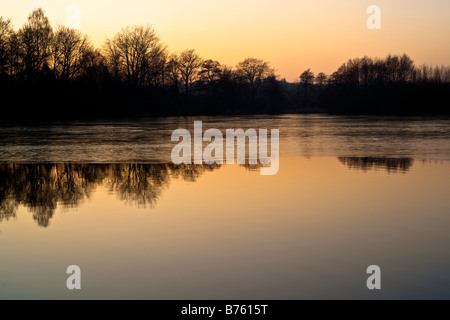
(49, 72)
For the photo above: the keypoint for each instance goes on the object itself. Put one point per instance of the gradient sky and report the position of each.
(292, 34)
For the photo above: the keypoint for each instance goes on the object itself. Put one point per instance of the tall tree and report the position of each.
(406, 68)
(210, 72)
(189, 64)
(306, 80)
(35, 37)
(6, 32)
(253, 71)
(133, 52)
(321, 79)
(172, 73)
(69, 51)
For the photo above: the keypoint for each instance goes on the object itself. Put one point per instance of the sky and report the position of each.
(293, 35)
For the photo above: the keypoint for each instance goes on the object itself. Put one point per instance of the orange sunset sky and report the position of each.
(292, 34)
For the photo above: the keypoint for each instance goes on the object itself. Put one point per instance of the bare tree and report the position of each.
(6, 32)
(368, 71)
(172, 72)
(306, 80)
(14, 55)
(92, 66)
(254, 71)
(392, 64)
(157, 67)
(365, 68)
(35, 37)
(321, 79)
(227, 74)
(307, 77)
(210, 72)
(69, 49)
(189, 64)
(134, 52)
(406, 68)
(113, 59)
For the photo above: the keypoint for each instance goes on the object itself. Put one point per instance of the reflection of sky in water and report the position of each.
(350, 192)
(195, 232)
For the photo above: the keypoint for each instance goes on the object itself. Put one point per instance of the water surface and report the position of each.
(350, 192)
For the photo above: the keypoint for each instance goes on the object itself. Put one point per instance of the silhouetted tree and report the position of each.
(188, 65)
(69, 52)
(134, 54)
(35, 37)
(253, 71)
(113, 59)
(321, 79)
(273, 93)
(134, 75)
(306, 80)
(6, 32)
(406, 69)
(210, 72)
(13, 55)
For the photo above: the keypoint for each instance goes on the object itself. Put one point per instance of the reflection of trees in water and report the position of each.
(368, 163)
(42, 187)
(252, 167)
(191, 172)
(7, 210)
(139, 184)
